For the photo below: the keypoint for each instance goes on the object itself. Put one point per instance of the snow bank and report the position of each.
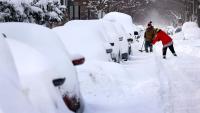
(103, 82)
(191, 30)
(178, 36)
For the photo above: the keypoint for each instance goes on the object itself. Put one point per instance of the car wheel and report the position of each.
(129, 50)
(125, 56)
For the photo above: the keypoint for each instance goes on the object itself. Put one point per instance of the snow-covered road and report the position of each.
(146, 83)
(182, 75)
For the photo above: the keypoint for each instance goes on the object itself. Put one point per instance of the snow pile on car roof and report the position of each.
(191, 30)
(125, 20)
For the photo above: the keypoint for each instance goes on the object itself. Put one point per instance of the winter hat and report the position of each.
(149, 24)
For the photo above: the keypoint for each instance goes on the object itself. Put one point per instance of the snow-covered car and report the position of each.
(45, 68)
(125, 24)
(178, 29)
(86, 37)
(94, 38)
(140, 29)
(170, 30)
(12, 97)
(191, 30)
(117, 40)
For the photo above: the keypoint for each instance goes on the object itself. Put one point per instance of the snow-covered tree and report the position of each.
(130, 7)
(43, 12)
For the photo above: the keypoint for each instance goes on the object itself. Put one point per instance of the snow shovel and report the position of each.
(142, 47)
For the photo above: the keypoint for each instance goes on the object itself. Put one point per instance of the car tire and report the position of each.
(125, 56)
(129, 50)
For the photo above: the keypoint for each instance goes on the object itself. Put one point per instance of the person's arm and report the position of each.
(145, 35)
(155, 39)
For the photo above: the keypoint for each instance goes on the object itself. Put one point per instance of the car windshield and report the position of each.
(6, 62)
(10, 84)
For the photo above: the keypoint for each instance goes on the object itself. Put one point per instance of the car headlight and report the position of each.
(112, 43)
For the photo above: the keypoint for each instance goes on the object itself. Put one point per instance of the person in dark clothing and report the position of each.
(166, 41)
(148, 37)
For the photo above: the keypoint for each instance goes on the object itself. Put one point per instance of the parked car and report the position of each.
(45, 68)
(170, 30)
(140, 29)
(95, 38)
(178, 29)
(89, 35)
(190, 31)
(126, 27)
(117, 39)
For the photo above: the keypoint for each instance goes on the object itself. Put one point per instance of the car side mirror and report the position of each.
(58, 82)
(109, 50)
(112, 44)
(136, 33)
(130, 40)
(78, 59)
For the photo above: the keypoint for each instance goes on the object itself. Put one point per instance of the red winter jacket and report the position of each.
(162, 36)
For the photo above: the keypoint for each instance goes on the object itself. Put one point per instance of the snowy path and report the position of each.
(183, 80)
(145, 84)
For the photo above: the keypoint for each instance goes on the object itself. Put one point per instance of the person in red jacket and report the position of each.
(166, 41)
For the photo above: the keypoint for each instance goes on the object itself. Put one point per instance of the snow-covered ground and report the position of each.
(146, 83)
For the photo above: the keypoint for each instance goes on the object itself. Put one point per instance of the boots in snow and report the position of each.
(174, 54)
(164, 57)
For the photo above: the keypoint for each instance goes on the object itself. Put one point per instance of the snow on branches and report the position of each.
(40, 12)
(126, 6)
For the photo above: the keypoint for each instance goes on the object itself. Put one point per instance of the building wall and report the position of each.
(83, 8)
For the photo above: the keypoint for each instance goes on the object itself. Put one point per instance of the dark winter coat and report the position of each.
(149, 34)
(163, 37)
